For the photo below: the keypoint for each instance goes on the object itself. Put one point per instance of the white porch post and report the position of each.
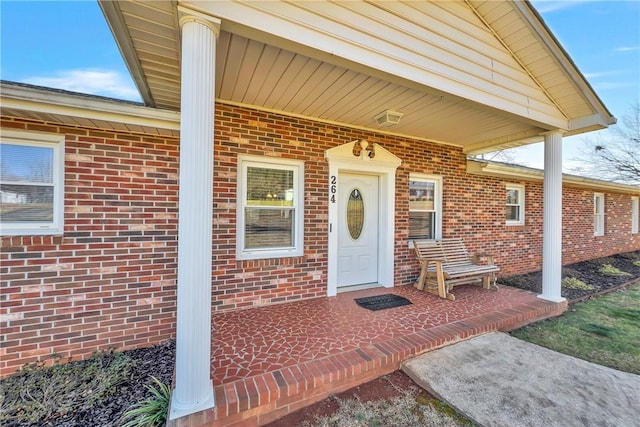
(194, 389)
(552, 217)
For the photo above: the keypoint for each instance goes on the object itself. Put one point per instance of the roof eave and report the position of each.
(605, 118)
(115, 20)
(40, 100)
(502, 170)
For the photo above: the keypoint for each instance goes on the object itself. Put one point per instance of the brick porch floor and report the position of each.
(270, 361)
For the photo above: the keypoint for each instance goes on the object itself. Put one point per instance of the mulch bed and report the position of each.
(159, 360)
(588, 272)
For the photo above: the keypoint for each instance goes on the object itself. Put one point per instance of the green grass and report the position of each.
(603, 330)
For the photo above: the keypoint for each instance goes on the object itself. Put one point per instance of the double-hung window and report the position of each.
(635, 214)
(31, 183)
(270, 208)
(515, 204)
(425, 206)
(598, 214)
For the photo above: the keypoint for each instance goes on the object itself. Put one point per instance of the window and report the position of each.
(515, 204)
(270, 208)
(31, 183)
(635, 214)
(598, 214)
(425, 207)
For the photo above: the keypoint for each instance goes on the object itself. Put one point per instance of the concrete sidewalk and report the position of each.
(498, 380)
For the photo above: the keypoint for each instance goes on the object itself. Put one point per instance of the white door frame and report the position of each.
(384, 165)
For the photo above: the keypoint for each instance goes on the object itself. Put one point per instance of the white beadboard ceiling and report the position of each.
(481, 75)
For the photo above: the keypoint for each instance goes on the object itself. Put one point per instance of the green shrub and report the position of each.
(38, 393)
(636, 263)
(609, 270)
(573, 283)
(151, 412)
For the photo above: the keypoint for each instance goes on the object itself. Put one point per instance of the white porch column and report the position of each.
(552, 217)
(194, 389)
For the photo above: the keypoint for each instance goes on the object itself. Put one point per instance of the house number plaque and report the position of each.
(333, 189)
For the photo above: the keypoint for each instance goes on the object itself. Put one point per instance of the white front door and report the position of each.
(357, 229)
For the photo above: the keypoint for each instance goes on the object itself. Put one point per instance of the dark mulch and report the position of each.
(588, 272)
(159, 360)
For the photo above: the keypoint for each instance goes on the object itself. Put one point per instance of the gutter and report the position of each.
(503, 170)
(43, 100)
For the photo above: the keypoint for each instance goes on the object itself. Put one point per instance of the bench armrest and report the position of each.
(477, 257)
(432, 259)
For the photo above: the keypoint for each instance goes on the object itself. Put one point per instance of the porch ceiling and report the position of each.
(267, 59)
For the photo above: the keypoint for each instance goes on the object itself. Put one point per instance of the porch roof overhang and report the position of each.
(76, 109)
(515, 172)
(480, 75)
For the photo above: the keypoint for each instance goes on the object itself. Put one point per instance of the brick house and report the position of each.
(261, 122)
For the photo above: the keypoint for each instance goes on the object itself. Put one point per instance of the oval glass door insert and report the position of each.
(355, 214)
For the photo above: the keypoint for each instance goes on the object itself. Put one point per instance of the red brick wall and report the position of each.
(110, 280)
(578, 242)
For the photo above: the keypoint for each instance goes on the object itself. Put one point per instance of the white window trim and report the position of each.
(521, 198)
(598, 226)
(298, 167)
(635, 214)
(437, 202)
(56, 142)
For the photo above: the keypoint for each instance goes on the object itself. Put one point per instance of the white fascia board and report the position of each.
(478, 167)
(295, 29)
(42, 101)
(589, 123)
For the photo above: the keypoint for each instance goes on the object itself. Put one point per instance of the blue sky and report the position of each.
(68, 45)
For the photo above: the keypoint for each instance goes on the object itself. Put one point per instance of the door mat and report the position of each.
(380, 302)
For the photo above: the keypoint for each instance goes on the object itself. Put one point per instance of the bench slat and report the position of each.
(449, 261)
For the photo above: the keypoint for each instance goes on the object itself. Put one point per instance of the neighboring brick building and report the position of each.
(110, 278)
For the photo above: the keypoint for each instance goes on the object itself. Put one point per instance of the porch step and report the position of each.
(264, 398)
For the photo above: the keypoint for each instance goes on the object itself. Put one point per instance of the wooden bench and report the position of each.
(446, 263)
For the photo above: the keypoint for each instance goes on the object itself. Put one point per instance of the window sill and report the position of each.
(30, 232)
(514, 223)
(254, 255)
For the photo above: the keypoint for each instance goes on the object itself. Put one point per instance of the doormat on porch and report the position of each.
(380, 302)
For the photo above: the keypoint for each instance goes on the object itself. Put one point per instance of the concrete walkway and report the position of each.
(498, 380)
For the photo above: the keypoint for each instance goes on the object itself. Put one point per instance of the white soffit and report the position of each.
(479, 87)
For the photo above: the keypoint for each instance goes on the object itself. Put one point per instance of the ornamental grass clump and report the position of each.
(37, 393)
(610, 270)
(151, 412)
(574, 283)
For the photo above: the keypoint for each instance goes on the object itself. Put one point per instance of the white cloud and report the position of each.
(601, 74)
(91, 81)
(626, 48)
(547, 6)
(613, 85)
